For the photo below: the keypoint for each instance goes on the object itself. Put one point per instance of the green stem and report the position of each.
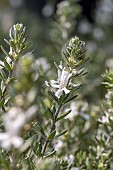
(52, 128)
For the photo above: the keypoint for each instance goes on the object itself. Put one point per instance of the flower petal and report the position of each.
(47, 84)
(54, 84)
(58, 93)
(66, 90)
(65, 77)
(3, 136)
(17, 141)
(59, 74)
(6, 141)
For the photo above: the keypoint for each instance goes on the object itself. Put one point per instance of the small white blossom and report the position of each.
(74, 111)
(8, 139)
(14, 120)
(58, 144)
(70, 159)
(61, 83)
(106, 118)
(42, 61)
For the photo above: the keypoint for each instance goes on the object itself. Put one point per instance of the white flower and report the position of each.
(74, 111)
(69, 158)
(58, 144)
(14, 120)
(106, 118)
(8, 139)
(42, 61)
(61, 83)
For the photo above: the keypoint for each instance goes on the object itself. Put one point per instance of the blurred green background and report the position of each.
(90, 20)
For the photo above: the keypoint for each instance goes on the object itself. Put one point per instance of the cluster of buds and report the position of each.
(17, 39)
(17, 42)
(75, 52)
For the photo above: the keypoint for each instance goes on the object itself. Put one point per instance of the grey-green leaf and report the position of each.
(7, 66)
(61, 133)
(70, 99)
(50, 113)
(2, 101)
(4, 51)
(53, 96)
(52, 134)
(50, 154)
(63, 115)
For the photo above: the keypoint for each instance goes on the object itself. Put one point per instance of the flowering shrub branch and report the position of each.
(19, 80)
(74, 56)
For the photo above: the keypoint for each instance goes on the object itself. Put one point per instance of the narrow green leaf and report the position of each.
(61, 133)
(0, 92)
(76, 87)
(62, 98)
(103, 143)
(11, 80)
(84, 73)
(53, 109)
(31, 165)
(79, 63)
(50, 113)
(3, 75)
(67, 95)
(50, 154)
(4, 51)
(12, 45)
(52, 134)
(56, 65)
(6, 41)
(7, 66)
(2, 102)
(70, 99)
(28, 53)
(24, 46)
(53, 96)
(40, 146)
(40, 128)
(37, 152)
(80, 72)
(7, 100)
(63, 115)
(65, 56)
(97, 141)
